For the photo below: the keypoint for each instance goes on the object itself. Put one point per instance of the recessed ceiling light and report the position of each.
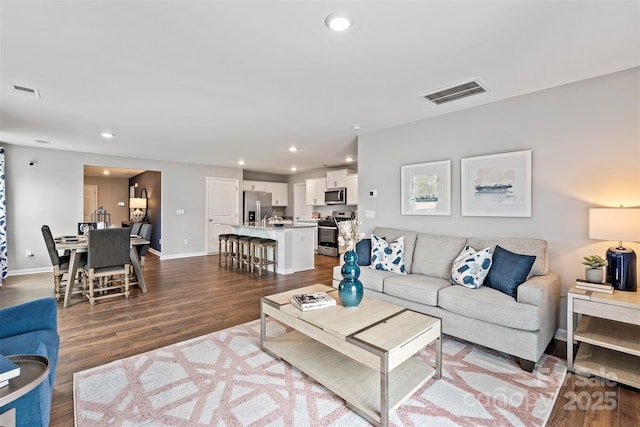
(349, 159)
(293, 168)
(107, 135)
(338, 21)
(241, 162)
(355, 127)
(293, 149)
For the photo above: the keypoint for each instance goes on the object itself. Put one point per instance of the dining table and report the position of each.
(76, 245)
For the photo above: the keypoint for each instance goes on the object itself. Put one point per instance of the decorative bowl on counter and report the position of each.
(276, 221)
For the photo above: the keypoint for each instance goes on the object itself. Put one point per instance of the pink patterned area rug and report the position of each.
(225, 379)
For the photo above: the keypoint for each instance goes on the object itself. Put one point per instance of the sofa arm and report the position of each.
(540, 291)
(31, 316)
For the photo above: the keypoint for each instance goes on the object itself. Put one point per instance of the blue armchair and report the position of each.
(32, 328)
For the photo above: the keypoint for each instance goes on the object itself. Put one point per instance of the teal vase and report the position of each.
(350, 289)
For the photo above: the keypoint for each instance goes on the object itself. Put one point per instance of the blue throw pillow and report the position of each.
(363, 250)
(508, 271)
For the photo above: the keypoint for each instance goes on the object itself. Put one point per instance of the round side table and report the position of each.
(33, 370)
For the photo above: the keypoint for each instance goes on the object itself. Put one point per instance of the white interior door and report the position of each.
(90, 201)
(301, 211)
(222, 209)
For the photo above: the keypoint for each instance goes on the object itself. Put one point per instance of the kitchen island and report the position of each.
(295, 244)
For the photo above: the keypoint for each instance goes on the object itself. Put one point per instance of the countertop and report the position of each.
(271, 227)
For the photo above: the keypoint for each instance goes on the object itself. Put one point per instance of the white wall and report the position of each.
(585, 139)
(50, 192)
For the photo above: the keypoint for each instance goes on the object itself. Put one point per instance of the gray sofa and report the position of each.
(522, 327)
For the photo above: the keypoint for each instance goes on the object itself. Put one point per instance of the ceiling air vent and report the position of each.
(453, 92)
(27, 91)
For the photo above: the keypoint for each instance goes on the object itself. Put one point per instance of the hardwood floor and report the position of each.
(193, 296)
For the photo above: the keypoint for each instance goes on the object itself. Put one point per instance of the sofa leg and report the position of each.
(527, 365)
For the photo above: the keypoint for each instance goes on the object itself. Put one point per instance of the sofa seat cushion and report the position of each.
(415, 287)
(492, 306)
(370, 278)
(434, 255)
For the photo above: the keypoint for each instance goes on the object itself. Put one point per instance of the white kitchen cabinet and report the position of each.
(254, 186)
(352, 189)
(279, 193)
(337, 178)
(315, 191)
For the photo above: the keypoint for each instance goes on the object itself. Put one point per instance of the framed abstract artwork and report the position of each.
(496, 185)
(426, 188)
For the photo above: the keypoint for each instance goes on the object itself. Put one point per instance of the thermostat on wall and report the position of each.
(373, 194)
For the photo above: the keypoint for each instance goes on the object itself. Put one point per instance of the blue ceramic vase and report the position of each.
(350, 289)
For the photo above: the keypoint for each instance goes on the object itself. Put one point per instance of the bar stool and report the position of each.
(244, 251)
(261, 258)
(223, 250)
(232, 249)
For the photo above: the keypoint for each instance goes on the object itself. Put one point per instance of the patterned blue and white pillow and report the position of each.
(387, 256)
(470, 267)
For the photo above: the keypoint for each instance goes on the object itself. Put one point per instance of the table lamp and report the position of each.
(622, 225)
(137, 203)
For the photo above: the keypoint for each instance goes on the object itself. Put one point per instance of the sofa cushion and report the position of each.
(387, 256)
(363, 250)
(370, 278)
(415, 287)
(434, 255)
(525, 246)
(392, 234)
(490, 305)
(508, 271)
(471, 267)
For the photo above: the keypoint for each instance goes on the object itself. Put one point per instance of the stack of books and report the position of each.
(306, 302)
(595, 287)
(8, 370)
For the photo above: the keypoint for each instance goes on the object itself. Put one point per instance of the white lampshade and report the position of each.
(137, 203)
(621, 224)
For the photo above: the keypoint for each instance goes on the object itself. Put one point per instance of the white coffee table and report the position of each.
(364, 355)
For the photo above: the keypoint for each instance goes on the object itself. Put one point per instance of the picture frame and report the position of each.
(496, 185)
(425, 188)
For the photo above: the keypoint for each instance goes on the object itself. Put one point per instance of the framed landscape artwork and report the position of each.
(426, 188)
(496, 185)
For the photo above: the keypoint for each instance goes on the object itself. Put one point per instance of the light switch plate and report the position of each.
(369, 214)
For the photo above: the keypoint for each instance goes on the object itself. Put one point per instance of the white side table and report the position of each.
(33, 370)
(607, 328)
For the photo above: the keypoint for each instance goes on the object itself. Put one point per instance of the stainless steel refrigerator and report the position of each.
(257, 205)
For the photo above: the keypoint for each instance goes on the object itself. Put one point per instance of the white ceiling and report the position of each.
(213, 82)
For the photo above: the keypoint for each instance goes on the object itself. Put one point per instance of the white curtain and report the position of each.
(3, 221)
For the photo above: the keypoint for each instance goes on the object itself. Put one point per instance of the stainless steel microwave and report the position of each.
(335, 196)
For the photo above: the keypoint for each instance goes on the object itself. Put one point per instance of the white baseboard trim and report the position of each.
(29, 271)
(177, 256)
(561, 335)
(153, 251)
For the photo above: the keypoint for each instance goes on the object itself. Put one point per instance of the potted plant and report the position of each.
(593, 271)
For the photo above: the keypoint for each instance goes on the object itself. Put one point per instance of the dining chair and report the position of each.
(135, 229)
(108, 256)
(145, 233)
(60, 262)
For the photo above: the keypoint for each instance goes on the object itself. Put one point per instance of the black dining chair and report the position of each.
(108, 257)
(59, 262)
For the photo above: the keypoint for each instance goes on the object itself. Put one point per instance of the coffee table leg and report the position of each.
(384, 390)
(439, 357)
(263, 325)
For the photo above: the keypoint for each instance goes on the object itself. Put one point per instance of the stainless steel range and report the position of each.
(328, 233)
